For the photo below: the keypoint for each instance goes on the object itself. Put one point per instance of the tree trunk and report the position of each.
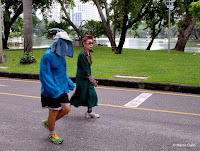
(123, 35)
(154, 35)
(27, 23)
(106, 26)
(196, 35)
(115, 26)
(124, 28)
(151, 42)
(122, 40)
(8, 24)
(184, 35)
(6, 34)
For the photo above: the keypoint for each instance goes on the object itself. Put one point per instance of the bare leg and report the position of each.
(52, 119)
(55, 115)
(64, 110)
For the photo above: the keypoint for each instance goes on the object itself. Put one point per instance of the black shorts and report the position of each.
(54, 103)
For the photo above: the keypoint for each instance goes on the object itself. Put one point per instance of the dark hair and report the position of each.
(86, 38)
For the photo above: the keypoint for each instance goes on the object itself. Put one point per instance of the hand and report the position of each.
(96, 84)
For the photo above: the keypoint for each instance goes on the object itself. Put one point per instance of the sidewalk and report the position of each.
(121, 83)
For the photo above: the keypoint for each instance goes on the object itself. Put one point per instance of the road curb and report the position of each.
(121, 83)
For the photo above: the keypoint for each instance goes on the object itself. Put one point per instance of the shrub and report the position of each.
(27, 58)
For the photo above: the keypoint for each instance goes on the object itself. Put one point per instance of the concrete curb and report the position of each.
(121, 83)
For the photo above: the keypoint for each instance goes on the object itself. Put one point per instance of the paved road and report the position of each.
(149, 121)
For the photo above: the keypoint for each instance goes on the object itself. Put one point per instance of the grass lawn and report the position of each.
(159, 66)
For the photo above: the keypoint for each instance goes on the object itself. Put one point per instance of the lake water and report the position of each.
(132, 43)
(158, 44)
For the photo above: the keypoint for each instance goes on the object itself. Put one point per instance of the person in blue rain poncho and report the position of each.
(55, 82)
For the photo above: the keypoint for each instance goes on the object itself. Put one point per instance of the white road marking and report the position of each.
(138, 100)
(2, 85)
(131, 77)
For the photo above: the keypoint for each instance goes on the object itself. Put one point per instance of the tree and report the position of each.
(131, 14)
(124, 14)
(14, 8)
(185, 25)
(27, 24)
(95, 25)
(17, 8)
(106, 24)
(196, 31)
(97, 28)
(69, 2)
(156, 19)
(195, 9)
(127, 14)
(62, 25)
(38, 25)
(17, 28)
(195, 12)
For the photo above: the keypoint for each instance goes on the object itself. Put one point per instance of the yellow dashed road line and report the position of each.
(20, 80)
(154, 110)
(27, 96)
(116, 106)
(105, 88)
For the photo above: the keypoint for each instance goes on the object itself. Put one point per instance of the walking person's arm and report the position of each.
(86, 68)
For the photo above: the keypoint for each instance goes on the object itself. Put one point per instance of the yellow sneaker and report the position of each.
(55, 139)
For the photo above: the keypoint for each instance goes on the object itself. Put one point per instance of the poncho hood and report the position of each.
(62, 45)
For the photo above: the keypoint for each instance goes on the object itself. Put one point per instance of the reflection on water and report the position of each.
(158, 44)
(193, 47)
(38, 42)
(132, 43)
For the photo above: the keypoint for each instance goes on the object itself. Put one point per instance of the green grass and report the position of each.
(176, 67)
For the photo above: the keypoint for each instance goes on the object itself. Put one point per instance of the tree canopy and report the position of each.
(195, 9)
(14, 8)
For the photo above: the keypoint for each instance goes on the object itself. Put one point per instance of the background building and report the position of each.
(55, 13)
(86, 11)
(82, 11)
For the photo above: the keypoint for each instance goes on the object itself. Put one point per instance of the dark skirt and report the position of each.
(85, 94)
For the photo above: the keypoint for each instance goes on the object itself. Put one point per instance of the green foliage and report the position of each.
(38, 25)
(182, 10)
(157, 17)
(184, 22)
(27, 58)
(13, 9)
(62, 25)
(97, 28)
(17, 28)
(195, 9)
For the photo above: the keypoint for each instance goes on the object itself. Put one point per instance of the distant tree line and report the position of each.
(122, 18)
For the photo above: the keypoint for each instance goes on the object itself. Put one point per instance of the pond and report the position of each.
(131, 43)
(158, 44)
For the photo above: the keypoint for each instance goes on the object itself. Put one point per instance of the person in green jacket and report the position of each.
(85, 94)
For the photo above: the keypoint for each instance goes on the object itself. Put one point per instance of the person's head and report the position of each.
(62, 45)
(87, 42)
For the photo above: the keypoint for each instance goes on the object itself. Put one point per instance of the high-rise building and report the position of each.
(55, 13)
(81, 11)
(84, 11)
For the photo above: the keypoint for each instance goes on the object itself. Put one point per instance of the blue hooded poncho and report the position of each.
(53, 70)
(63, 48)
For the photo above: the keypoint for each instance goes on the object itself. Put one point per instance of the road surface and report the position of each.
(130, 120)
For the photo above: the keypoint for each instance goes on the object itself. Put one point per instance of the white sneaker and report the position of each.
(91, 115)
